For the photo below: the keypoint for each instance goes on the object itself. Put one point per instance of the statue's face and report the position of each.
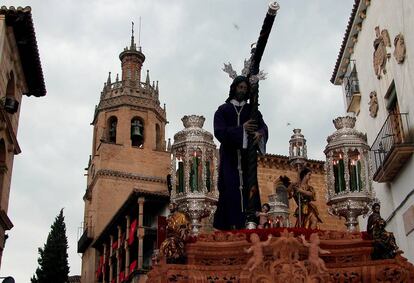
(241, 92)
(377, 208)
(172, 207)
(254, 238)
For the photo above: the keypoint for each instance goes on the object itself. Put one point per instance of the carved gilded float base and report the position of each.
(222, 257)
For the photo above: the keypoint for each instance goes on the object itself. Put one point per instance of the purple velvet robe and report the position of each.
(229, 214)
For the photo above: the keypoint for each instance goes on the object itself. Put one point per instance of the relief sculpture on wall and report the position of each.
(399, 51)
(381, 43)
(373, 104)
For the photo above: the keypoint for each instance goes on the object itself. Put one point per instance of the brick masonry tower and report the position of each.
(128, 150)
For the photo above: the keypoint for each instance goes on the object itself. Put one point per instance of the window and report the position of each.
(137, 132)
(351, 88)
(112, 124)
(3, 166)
(10, 103)
(157, 137)
(394, 113)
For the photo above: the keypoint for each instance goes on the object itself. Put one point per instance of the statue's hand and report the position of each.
(250, 126)
(257, 137)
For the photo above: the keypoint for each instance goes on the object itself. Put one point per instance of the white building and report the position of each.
(375, 67)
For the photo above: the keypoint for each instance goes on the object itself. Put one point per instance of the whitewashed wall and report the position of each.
(397, 16)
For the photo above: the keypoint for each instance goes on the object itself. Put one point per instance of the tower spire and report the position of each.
(108, 81)
(147, 79)
(133, 46)
(139, 34)
(131, 60)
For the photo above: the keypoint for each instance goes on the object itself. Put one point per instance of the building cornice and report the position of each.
(5, 221)
(131, 176)
(358, 14)
(123, 175)
(139, 103)
(20, 19)
(275, 161)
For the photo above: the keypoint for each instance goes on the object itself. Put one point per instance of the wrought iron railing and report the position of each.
(395, 131)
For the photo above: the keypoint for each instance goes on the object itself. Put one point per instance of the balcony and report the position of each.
(352, 94)
(392, 148)
(84, 241)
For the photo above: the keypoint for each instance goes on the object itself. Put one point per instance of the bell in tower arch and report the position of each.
(137, 129)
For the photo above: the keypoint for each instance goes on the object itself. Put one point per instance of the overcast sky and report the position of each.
(185, 43)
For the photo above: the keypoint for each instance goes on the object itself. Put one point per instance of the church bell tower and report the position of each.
(128, 150)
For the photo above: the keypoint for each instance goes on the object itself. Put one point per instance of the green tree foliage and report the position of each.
(53, 258)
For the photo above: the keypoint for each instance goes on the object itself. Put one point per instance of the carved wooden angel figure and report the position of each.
(263, 216)
(314, 251)
(373, 104)
(257, 249)
(381, 43)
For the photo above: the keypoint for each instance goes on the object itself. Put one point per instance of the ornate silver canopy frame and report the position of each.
(349, 177)
(194, 172)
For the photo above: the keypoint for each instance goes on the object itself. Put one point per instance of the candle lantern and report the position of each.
(297, 148)
(349, 177)
(194, 172)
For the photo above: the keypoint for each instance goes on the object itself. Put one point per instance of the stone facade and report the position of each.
(271, 167)
(128, 151)
(15, 24)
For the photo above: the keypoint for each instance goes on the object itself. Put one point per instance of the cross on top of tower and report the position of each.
(133, 45)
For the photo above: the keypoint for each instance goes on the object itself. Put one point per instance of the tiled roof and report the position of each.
(345, 39)
(21, 20)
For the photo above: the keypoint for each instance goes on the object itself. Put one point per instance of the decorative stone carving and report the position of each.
(380, 56)
(373, 104)
(399, 51)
